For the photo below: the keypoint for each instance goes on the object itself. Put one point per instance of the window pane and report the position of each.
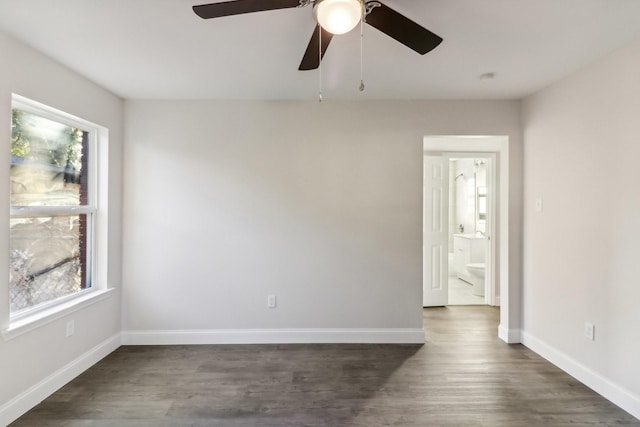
(47, 259)
(47, 162)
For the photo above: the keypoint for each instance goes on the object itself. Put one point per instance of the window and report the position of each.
(53, 207)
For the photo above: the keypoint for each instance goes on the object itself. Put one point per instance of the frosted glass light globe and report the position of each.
(338, 16)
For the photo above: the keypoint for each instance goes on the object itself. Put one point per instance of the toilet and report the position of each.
(476, 270)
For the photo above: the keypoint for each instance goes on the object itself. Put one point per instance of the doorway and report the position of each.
(458, 249)
(470, 214)
(437, 152)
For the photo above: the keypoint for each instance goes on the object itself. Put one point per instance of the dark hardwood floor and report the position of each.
(463, 376)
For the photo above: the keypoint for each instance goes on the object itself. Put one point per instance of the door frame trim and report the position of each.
(498, 144)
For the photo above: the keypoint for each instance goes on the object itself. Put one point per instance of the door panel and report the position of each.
(435, 222)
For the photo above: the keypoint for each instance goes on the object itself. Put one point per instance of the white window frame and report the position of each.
(33, 317)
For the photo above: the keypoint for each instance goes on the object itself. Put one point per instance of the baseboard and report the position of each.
(275, 336)
(29, 398)
(510, 336)
(610, 390)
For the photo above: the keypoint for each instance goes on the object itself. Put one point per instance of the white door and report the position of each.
(435, 234)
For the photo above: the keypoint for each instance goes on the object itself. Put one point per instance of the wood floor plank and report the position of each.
(463, 376)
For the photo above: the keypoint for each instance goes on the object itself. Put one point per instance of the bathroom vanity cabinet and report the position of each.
(467, 249)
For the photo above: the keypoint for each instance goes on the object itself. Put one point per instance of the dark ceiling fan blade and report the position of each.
(310, 60)
(237, 7)
(402, 29)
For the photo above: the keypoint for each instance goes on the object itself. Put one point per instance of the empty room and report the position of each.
(319, 213)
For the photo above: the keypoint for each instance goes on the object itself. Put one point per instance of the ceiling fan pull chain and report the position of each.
(319, 63)
(361, 87)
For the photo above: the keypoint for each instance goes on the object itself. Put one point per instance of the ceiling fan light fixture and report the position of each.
(338, 16)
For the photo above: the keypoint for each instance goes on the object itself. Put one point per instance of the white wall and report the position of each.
(39, 357)
(465, 196)
(581, 253)
(320, 204)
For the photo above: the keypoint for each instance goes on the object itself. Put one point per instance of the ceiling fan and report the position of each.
(334, 17)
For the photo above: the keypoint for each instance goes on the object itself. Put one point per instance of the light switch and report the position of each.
(271, 301)
(539, 204)
(589, 330)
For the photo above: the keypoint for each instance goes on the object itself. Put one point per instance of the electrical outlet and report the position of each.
(589, 331)
(71, 328)
(271, 301)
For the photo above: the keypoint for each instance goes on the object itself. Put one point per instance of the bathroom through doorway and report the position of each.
(435, 249)
(477, 230)
(469, 226)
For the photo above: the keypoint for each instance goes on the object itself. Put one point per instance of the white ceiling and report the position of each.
(160, 49)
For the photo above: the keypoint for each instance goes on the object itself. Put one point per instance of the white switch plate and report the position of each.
(71, 328)
(539, 204)
(271, 301)
(589, 331)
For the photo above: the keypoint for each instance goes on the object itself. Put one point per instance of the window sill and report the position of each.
(37, 320)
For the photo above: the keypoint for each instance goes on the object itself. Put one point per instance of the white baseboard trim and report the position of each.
(35, 394)
(275, 336)
(610, 390)
(510, 336)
